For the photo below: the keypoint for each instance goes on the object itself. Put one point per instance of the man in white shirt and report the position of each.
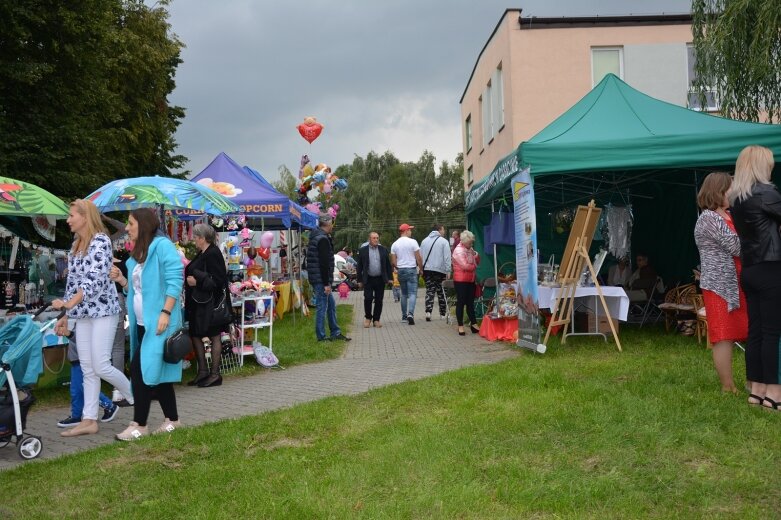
(406, 261)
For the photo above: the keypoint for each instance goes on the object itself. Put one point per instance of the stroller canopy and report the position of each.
(20, 347)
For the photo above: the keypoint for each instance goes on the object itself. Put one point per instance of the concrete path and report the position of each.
(375, 357)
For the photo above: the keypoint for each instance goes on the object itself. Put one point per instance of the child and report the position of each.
(110, 409)
(396, 288)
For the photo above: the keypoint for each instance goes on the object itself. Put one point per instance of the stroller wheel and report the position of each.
(4, 441)
(30, 447)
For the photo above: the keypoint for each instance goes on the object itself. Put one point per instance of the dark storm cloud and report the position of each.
(378, 75)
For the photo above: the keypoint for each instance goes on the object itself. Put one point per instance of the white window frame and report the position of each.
(497, 92)
(468, 132)
(715, 106)
(620, 50)
(470, 175)
(485, 109)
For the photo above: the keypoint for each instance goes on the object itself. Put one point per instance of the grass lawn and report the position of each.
(580, 432)
(292, 345)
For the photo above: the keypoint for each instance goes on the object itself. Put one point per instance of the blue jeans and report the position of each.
(408, 279)
(77, 392)
(325, 304)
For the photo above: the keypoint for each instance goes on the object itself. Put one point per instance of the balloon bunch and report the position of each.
(316, 184)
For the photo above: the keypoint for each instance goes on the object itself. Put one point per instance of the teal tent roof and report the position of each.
(617, 128)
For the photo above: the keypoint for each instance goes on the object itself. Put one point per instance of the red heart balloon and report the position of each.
(310, 131)
(264, 253)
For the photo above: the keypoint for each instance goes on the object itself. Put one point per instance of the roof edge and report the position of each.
(533, 22)
(491, 37)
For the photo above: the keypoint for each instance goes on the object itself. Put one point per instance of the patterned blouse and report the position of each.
(89, 272)
(718, 246)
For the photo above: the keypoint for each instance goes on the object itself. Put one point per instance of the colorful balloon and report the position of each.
(264, 253)
(310, 129)
(266, 239)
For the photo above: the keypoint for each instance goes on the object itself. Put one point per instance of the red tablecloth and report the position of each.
(499, 329)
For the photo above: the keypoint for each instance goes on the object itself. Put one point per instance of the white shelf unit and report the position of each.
(259, 320)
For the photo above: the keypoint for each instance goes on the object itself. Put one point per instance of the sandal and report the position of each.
(758, 398)
(774, 405)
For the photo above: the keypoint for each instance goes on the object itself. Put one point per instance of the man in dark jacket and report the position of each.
(320, 268)
(374, 270)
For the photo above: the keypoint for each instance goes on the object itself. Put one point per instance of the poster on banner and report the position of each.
(526, 261)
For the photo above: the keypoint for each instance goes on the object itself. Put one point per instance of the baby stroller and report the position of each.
(21, 362)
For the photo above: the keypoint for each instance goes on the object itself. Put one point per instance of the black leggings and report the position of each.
(142, 393)
(762, 284)
(465, 297)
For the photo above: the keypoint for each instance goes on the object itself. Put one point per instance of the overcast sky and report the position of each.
(379, 75)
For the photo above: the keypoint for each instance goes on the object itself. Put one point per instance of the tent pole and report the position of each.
(496, 264)
(287, 263)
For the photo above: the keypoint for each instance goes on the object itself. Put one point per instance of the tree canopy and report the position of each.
(385, 192)
(83, 93)
(738, 49)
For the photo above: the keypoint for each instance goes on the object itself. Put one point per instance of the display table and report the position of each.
(499, 329)
(615, 297)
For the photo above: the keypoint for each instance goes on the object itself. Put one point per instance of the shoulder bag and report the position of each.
(177, 346)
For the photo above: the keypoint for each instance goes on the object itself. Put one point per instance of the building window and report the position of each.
(606, 60)
(468, 132)
(485, 108)
(470, 176)
(694, 102)
(492, 106)
(497, 91)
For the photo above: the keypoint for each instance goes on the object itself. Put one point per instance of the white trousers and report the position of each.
(94, 342)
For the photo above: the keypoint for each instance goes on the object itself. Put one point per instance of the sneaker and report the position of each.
(340, 336)
(410, 320)
(132, 432)
(122, 403)
(168, 426)
(403, 319)
(70, 421)
(324, 339)
(109, 413)
(428, 316)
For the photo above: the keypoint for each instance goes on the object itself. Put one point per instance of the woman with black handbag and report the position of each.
(207, 303)
(155, 314)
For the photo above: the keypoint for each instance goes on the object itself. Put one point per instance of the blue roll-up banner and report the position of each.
(529, 332)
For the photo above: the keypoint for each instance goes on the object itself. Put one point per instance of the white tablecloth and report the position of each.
(616, 299)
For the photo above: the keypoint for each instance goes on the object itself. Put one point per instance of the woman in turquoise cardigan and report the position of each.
(154, 311)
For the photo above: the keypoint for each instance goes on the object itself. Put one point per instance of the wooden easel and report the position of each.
(574, 260)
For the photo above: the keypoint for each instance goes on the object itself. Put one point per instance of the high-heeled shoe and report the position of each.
(461, 333)
(198, 379)
(473, 329)
(211, 380)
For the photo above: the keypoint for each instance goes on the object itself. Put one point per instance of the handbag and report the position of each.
(223, 311)
(177, 346)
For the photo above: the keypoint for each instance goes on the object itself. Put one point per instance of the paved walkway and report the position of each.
(375, 357)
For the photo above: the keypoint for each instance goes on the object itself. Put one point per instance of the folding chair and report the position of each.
(701, 328)
(648, 310)
(449, 296)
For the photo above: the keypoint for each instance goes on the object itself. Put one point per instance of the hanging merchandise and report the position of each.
(618, 235)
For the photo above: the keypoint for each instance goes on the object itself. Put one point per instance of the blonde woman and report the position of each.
(465, 262)
(756, 212)
(91, 300)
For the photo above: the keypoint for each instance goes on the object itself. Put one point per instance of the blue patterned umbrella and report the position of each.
(153, 192)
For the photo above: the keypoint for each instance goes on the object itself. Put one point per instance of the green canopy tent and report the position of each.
(618, 145)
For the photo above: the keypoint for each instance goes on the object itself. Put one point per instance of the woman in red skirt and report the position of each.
(725, 304)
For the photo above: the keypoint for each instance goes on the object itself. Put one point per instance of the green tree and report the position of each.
(83, 92)
(738, 49)
(286, 183)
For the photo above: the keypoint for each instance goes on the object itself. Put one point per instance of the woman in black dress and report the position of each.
(206, 281)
